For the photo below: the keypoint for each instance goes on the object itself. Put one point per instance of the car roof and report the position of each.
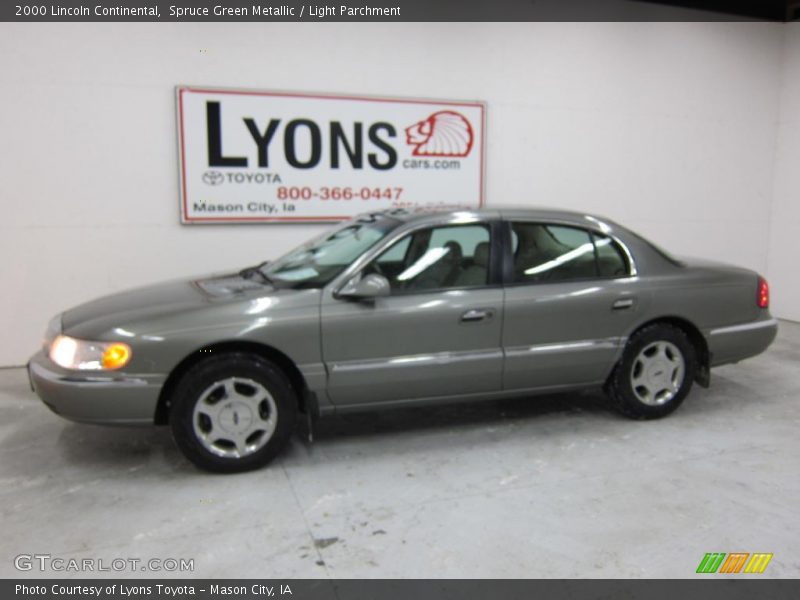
(582, 219)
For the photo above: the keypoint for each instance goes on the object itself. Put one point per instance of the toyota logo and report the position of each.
(213, 178)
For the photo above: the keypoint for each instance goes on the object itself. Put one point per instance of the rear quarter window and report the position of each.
(611, 262)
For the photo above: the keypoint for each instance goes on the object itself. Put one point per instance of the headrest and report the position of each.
(454, 251)
(481, 257)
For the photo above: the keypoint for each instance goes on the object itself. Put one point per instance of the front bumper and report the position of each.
(95, 397)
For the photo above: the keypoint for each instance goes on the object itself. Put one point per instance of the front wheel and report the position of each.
(655, 373)
(233, 412)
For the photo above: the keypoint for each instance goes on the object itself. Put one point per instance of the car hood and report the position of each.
(160, 299)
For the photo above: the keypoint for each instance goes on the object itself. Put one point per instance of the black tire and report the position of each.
(620, 387)
(202, 376)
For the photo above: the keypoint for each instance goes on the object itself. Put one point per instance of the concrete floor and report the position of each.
(543, 487)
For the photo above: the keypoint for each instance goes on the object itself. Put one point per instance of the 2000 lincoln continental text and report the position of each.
(396, 308)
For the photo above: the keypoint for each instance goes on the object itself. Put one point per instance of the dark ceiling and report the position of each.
(770, 10)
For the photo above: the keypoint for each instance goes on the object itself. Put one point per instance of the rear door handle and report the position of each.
(477, 314)
(622, 304)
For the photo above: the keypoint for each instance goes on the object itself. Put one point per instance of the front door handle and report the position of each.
(477, 314)
(622, 304)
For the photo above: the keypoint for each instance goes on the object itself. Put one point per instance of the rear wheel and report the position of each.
(233, 412)
(655, 373)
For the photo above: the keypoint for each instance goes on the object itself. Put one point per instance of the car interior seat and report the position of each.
(441, 273)
(476, 273)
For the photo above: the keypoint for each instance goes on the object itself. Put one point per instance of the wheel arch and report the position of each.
(270, 353)
(696, 337)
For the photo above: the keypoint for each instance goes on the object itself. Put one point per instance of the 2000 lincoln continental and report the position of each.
(398, 308)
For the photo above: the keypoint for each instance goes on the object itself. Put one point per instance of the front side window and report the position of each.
(319, 261)
(550, 253)
(437, 258)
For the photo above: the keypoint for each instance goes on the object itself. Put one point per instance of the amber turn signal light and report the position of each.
(116, 355)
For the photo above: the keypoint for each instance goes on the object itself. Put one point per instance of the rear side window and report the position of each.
(610, 261)
(550, 253)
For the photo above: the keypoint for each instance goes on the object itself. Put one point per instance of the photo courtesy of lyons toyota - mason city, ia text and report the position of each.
(252, 156)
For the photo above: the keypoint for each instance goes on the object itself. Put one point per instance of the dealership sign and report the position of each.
(251, 156)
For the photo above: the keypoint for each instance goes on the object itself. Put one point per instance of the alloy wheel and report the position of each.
(234, 417)
(657, 373)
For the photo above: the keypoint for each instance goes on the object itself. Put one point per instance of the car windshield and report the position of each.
(320, 260)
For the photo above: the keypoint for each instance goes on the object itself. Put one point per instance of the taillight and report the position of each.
(762, 297)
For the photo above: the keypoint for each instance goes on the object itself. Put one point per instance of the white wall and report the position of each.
(784, 252)
(667, 127)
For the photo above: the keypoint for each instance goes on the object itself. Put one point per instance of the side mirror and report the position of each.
(366, 288)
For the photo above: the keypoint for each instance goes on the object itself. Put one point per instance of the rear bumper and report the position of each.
(95, 397)
(737, 342)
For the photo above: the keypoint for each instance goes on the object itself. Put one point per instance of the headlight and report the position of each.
(70, 353)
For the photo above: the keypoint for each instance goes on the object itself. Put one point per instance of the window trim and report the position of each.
(621, 250)
(508, 253)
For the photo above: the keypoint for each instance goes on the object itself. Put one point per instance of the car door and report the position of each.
(570, 296)
(437, 333)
